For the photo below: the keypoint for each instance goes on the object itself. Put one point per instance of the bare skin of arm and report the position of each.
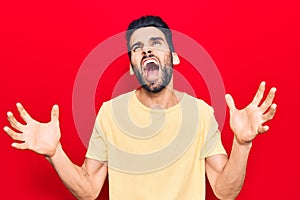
(226, 176)
(84, 182)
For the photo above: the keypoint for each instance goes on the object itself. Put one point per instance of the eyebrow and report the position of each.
(157, 38)
(151, 39)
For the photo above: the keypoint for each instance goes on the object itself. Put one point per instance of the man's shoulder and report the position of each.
(200, 102)
(123, 96)
(120, 99)
(115, 104)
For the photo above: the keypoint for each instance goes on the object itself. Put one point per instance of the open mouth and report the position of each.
(151, 69)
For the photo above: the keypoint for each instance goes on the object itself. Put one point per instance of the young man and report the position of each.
(154, 142)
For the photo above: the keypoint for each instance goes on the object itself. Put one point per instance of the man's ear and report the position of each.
(131, 70)
(176, 59)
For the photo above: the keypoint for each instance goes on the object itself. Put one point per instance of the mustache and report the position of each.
(147, 56)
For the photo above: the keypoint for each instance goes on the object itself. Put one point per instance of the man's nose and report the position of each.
(147, 50)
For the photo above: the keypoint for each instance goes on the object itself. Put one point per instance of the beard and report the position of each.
(159, 84)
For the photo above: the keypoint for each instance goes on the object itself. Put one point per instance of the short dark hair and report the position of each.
(147, 21)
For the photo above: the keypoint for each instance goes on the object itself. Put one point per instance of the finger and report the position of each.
(23, 113)
(13, 122)
(263, 129)
(21, 146)
(259, 94)
(270, 114)
(13, 134)
(54, 113)
(230, 102)
(268, 102)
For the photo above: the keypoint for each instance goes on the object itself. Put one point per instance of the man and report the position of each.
(154, 142)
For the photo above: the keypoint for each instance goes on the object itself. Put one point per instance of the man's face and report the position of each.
(151, 58)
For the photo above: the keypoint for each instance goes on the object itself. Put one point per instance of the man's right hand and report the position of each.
(42, 138)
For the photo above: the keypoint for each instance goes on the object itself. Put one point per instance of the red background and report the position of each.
(43, 44)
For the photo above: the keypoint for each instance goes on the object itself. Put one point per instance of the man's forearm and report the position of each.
(75, 178)
(231, 180)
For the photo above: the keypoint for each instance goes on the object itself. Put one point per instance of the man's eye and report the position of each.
(136, 48)
(156, 43)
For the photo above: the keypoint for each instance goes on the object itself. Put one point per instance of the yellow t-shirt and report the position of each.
(154, 153)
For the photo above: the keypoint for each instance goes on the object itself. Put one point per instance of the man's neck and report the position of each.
(164, 99)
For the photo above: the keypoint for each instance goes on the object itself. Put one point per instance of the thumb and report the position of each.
(230, 102)
(54, 113)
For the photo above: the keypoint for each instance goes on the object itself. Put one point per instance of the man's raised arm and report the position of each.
(84, 182)
(226, 176)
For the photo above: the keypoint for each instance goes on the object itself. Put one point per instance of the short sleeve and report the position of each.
(212, 144)
(97, 149)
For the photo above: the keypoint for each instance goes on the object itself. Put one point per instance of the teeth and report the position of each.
(150, 61)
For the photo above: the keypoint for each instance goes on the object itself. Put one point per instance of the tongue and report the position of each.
(151, 72)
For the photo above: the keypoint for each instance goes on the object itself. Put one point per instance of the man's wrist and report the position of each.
(246, 145)
(54, 154)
